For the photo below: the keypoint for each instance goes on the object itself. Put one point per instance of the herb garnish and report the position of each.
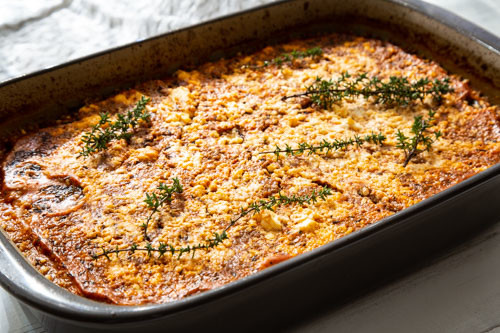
(289, 57)
(255, 207)
(106, 131)
(280, 200)
(398, 90)
(165, 248)
(336, 144)
(155, 201)
(420, 138)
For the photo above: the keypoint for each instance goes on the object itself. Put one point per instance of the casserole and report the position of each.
(306, 7)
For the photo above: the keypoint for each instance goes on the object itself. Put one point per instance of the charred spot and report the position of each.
(61, 192)
(44, 137)
(160, 224)
(39, 206)
(470, 100)
(21, 155)
(52, 195)
(30, 169)
(35, 167)
(374, 199)
(240, 133)
(305, 102)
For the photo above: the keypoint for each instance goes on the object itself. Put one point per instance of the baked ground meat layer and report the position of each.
(207, 128)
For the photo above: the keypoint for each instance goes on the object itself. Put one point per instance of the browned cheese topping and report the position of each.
(207, 128)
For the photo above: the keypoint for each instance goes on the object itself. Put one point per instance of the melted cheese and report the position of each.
(207, 128)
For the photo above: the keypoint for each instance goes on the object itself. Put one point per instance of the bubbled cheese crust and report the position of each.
(207, 128)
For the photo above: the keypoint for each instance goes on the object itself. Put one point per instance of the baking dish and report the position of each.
(327, 274)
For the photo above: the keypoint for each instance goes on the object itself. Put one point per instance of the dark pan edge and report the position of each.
(81, 309)
(457, 23)
(451, 20)
(101, 312)
(56, 103)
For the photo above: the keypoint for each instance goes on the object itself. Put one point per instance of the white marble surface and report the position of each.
(458, 292)
(49, 32)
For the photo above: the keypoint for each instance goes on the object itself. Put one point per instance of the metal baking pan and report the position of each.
(277, 297)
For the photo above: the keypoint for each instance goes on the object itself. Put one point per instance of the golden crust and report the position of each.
(207, 128)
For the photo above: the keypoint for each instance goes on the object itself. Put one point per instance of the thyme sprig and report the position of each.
(106, 131)
(398, 90)
(295, 54)
(281, 200)
(255, 207)
(421, 140)
(327, 146)
(164, 248)
(289, 57)
(156, 201)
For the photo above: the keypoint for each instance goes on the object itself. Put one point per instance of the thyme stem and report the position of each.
(218, 238)
(398, 90)
(165, 248)
(419, 128)
(327, 146)
(106, 131)
(280, 200)
(155, 201)
(289, 57)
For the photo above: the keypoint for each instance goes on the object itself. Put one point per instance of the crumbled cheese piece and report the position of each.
(306, 220)
(269, 220)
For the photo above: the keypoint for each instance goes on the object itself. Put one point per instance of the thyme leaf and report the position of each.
(281, 200)
(398, 90)
(255, 207)
(155, 201)
(327, 146)
(289, 57)
(106, 131)
(420, 141)
(164, 248)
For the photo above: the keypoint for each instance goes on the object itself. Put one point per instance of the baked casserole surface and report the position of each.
(208, 127)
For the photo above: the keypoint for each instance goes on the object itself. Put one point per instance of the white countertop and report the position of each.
(457, 292)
